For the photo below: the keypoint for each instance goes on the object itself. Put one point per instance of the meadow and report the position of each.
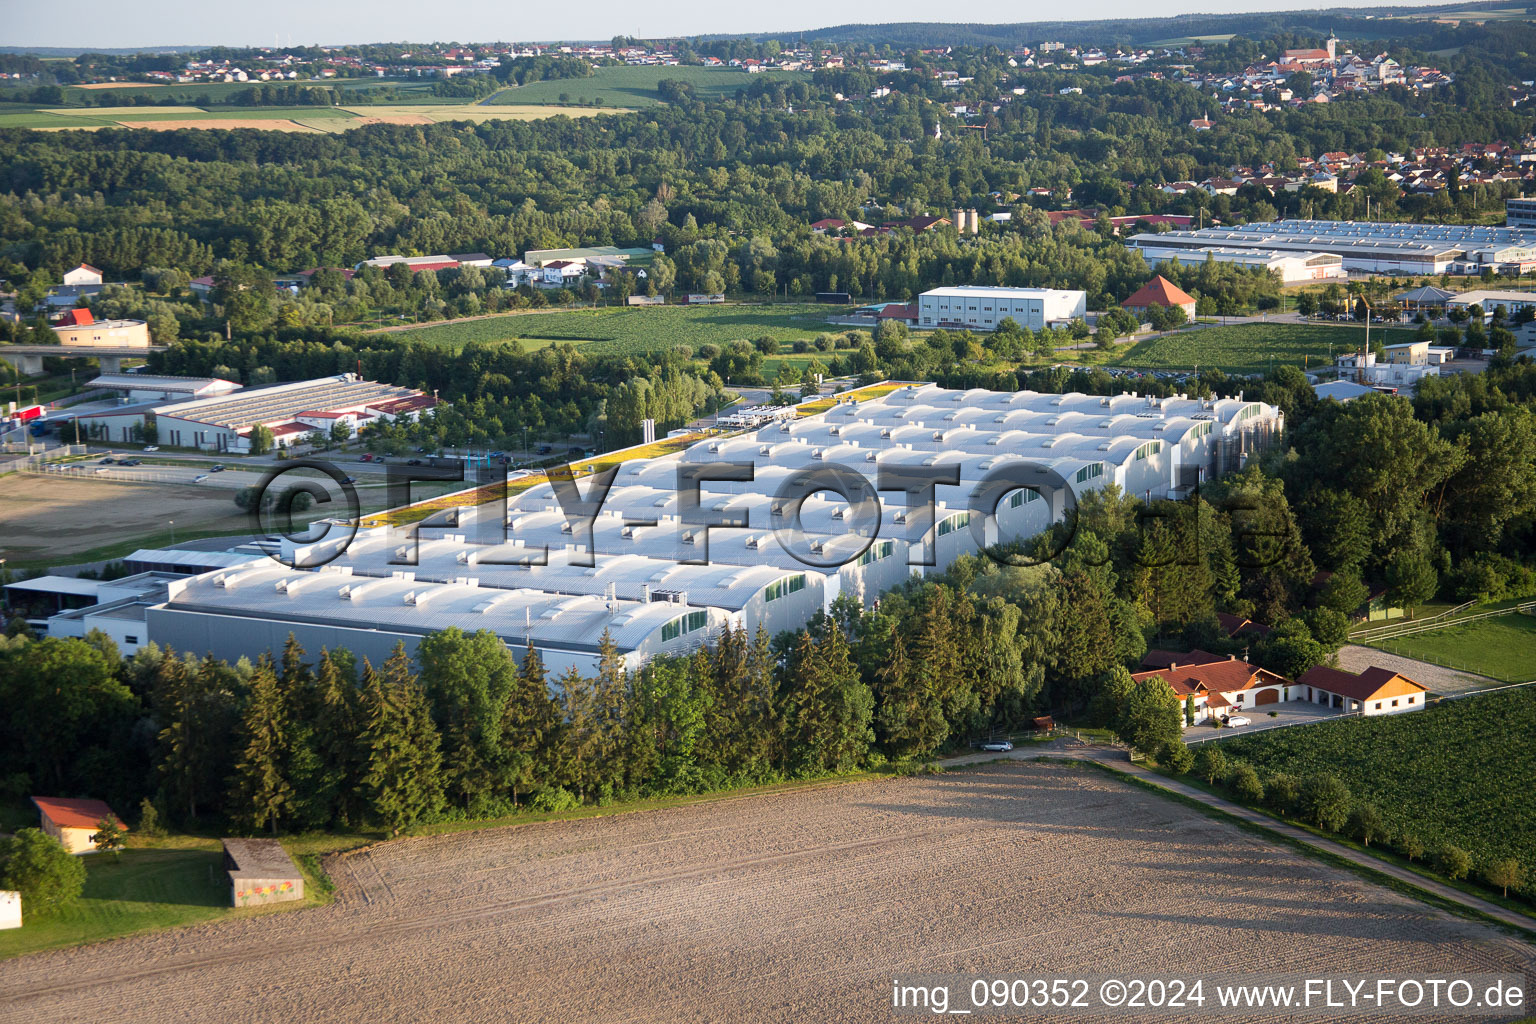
(1248, 347)
(636, 86)
(1502, 648)
(1458, 772)
(622, 330)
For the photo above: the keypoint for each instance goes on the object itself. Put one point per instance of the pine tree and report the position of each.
(336, 794)
(195, 704)
(404, 777)
(579, 751)
(530, 723)
(260, 793)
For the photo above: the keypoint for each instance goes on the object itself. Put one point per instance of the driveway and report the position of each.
(1293, 712)
(1355, 658)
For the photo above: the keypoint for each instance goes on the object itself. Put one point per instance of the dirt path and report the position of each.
(1355, 658)
(795, 906)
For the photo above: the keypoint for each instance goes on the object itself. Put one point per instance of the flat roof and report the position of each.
(58, 585)
(153, 382)
(987, 291)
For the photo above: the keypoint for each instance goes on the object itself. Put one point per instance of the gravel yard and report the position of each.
(793, 906)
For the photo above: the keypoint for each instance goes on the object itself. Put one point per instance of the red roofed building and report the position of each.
(1166, 659)
(76, 318)
(1160, 292)
(1217, 685)
(1376, 691)
(73, 822)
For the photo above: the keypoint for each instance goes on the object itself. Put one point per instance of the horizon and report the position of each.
(112, 27)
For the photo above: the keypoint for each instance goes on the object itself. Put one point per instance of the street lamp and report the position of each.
(173, 532)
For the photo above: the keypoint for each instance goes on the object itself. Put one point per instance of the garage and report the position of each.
(1270, 696)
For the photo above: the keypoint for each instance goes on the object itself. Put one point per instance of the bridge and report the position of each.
(28, 359)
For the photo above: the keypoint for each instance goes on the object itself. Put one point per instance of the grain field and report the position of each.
(794, 906)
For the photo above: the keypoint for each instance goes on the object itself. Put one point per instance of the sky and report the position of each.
(113, 23)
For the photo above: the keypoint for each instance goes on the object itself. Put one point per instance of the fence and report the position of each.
(1385, 632)
(91, 471)
(1440, 621)
(29, 462)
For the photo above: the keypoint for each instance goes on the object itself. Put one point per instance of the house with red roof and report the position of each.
(1225, 686)
(1160, 292)
(79, 317)
(1376, 691)
(73, 822)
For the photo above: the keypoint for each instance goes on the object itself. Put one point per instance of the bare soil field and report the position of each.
(270, 124)
(801, 905)
(48, 515)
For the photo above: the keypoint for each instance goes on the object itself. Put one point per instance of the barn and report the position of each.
(73, 822)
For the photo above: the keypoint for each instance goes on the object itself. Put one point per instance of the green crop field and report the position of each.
(1502, 648)
(635, 329)
(1458, 772)
(1248, 348)
(636, 86)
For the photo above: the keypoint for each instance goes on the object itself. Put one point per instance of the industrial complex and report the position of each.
(662, 568)
(1368, 246)
(217, 415)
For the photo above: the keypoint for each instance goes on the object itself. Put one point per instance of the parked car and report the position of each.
(131, 462)
(348, 480)
(999, 745)
(151, 448)
(413, 462)
(106, 461)
(365, 458)
(1236, 721)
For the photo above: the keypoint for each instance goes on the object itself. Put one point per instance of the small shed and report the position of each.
(73, 822)
(260, 871)
(10, 909)
(1045, 723)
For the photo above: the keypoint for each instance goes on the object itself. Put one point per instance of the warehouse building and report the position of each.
(1491, 299)
(222, 423)
(982, 308)
(664, 572)
(1369, 246)
(1290, 268)
(135, 388)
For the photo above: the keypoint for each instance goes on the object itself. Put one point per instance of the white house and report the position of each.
(82, 275)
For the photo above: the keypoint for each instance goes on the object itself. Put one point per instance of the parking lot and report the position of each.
(1297, 712)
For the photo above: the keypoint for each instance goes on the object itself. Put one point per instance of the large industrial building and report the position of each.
(1290, 268)
(1368, 246)
(646, 568)
(982, 308)
(206, 415)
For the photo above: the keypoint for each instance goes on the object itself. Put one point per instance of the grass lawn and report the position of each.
(623, 329)
(147, 890)
(636, 86)
(1246, 348)
(1503, 647)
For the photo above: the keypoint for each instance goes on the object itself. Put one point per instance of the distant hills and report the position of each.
(1354, 22)
(1398, 22)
